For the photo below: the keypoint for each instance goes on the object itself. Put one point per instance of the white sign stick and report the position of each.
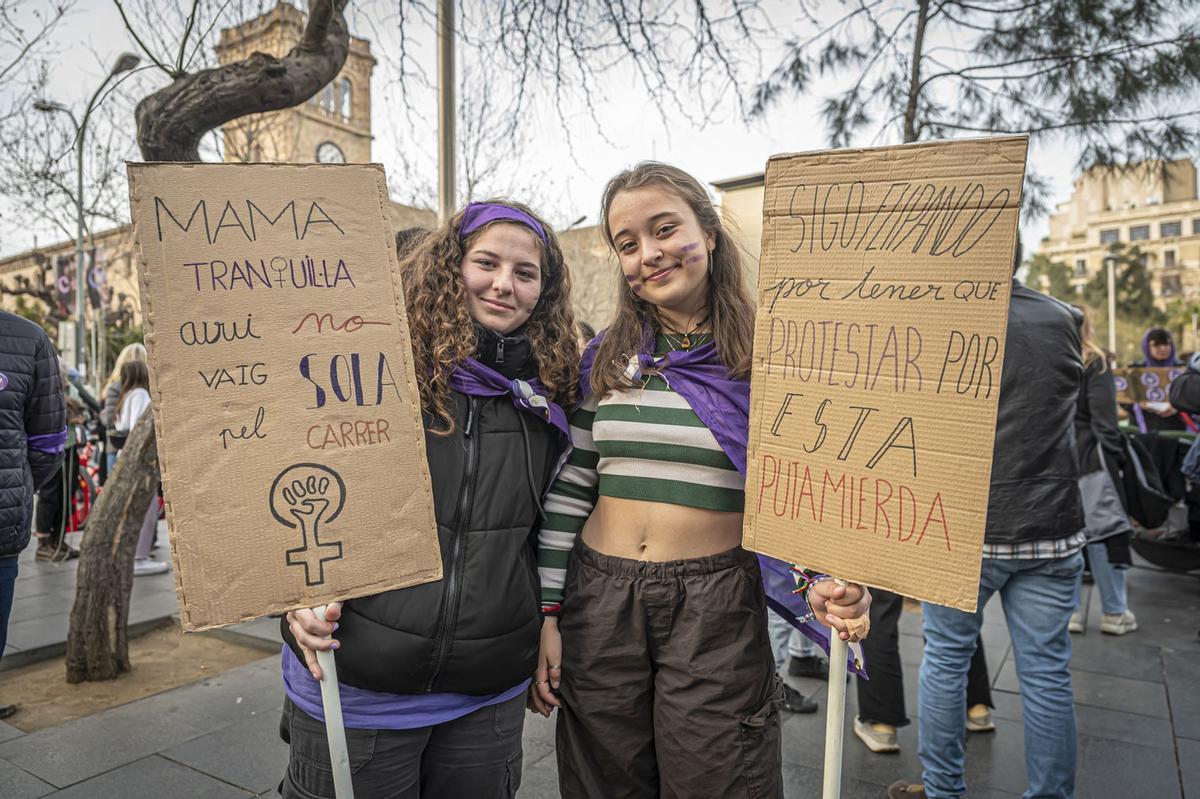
(331, 702)
(835, 715)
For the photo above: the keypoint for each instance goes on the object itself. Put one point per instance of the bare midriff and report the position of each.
(657, 531)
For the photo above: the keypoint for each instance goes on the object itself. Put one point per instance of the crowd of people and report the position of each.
(588, 492)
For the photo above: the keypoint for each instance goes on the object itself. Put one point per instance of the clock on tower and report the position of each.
(330, 153)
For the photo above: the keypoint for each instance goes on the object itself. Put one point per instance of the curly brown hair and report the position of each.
(730, 308)
(443, 332)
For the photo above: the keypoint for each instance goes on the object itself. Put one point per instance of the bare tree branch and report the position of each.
(141, 44)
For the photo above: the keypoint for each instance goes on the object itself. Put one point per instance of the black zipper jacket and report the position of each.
(1035, 477)
(475, 631)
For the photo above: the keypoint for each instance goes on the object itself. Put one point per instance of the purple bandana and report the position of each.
(478, 380)
(723, 405)
(476, 215)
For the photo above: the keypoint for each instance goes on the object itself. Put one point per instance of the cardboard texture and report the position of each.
(1145, 384)
(285, 403)
(883, 297)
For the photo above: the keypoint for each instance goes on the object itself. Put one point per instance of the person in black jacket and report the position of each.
(33, 429)
(434, 677)
(1031, 558)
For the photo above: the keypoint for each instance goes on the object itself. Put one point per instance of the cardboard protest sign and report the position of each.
(882, 305)
(285, 402)
(1145, 385)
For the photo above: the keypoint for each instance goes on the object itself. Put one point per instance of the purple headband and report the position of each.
(476, 215)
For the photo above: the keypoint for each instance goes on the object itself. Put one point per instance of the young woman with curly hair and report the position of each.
(656, 633)
(434, 677)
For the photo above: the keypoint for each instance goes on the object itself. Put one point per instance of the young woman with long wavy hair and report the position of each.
(655, 646)
(434, 677)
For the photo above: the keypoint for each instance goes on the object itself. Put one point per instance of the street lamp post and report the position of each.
(1110, 266)
(446, 109)
(124, 63)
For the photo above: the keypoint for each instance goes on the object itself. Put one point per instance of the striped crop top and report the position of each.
(643, 443)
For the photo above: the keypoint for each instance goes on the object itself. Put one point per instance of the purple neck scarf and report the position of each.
(722, 403)
(478, 380)
(697, 375)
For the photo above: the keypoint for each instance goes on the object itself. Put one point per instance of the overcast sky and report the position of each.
(569, 179)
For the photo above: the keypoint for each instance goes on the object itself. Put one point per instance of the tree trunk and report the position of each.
(914, 85)
(171, 122)
(97, 647)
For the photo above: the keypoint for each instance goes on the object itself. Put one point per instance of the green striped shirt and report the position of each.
(643, 443)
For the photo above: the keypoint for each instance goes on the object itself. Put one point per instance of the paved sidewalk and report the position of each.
(1137, 699)
(45, 593)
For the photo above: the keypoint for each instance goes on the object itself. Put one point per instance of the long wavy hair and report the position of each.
(443, 332)
(1087, 335)
(729, 306)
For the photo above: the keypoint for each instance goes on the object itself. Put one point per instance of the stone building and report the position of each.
(741, 201)
(594, 274)
(1152, 207)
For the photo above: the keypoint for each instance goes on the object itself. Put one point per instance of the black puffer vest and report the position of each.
(475, 631)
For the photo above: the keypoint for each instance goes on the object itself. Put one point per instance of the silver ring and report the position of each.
(553, 668)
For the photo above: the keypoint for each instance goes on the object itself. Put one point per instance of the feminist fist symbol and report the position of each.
(311, 495)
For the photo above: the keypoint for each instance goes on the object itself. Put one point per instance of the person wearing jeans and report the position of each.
(1038, 595)
(881, 708)
(1100, 446)
(1031, 557)
(1110, 581)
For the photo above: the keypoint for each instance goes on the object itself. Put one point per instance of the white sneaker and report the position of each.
(878, 737)
(1118, 623)
(1075, 625)
(144, 566)
(979, 719)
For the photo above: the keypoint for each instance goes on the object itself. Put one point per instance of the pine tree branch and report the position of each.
(1066, 124)
(1066, 59)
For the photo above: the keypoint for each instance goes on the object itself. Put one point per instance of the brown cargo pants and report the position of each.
(668, 683)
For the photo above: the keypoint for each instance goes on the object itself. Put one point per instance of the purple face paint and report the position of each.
(690, 247)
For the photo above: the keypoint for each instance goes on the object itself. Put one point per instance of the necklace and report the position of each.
(685, 343)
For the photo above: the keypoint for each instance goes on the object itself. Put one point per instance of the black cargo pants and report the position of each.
(476, 756)
(668, 682)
